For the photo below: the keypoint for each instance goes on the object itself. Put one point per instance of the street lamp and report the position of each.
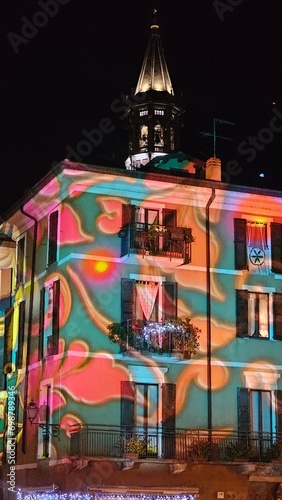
(48, 429)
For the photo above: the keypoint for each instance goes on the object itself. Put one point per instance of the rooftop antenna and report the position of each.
(214, 134)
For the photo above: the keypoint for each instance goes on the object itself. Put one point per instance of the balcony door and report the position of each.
(148, 409)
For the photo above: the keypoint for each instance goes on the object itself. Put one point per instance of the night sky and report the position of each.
(224, 59)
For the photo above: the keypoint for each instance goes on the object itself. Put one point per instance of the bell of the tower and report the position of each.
(154, 116)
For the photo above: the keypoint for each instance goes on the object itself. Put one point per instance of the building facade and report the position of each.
(141, 324)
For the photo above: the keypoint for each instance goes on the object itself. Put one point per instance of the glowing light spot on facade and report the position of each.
(100, 269)
(101, 266)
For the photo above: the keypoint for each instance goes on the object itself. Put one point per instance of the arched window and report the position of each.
(158, 136)
(172, 138)
(143, 139)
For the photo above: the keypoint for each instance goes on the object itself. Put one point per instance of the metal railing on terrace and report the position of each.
(156, 239)
(105, 441)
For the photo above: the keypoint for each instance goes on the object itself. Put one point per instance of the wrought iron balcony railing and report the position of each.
(173, 337)
(100, 441)
(152, 239)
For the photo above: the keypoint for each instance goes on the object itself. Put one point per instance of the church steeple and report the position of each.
(154, 73)
(154, 117)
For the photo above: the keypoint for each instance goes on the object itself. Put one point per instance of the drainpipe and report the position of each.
(208, 263)
(29, 330)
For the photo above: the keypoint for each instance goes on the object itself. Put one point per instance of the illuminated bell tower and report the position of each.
(154, 115)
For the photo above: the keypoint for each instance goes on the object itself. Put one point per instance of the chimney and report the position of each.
(213, 169)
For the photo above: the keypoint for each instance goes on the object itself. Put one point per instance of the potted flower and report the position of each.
(185, 336)
(240, 450)
(135, 447)
(204, 450)
(126, 334)
(274, 452)
(181, 234)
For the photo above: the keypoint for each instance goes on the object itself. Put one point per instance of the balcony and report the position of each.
(115, 442)
(158, 240)
(174, 337)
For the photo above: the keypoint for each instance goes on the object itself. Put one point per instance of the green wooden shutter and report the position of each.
(278, 400)
(168, 420)
(8, 340)
(21, 334)
(169, 300)
(241, 313)
(127, 404)
(41, 323)
(127, 299)
(240, 244)
(277, 315)
(169, 217)
(276, 247)
(56, 317)
(243, 403)
(53, 238)
(128, 214)
(20, 260)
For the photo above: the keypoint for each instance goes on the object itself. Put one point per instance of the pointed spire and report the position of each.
(154, 74)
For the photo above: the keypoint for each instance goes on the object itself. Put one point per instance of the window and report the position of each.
(149, 408)
(159, 112)
(250, 242)
(148, 300)
(253, 312)
(21, 329)
(6, 276)
(276, 247)
(48, 338)
(172, 138)
(20, 260)
(143, 140)
(158, 136)
(45, 410)
(8, 341)
(143, 112)
(153, 231)
(259, 412)
(52, 238)
(14, 329)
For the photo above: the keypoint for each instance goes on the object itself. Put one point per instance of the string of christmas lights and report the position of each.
(100, 496)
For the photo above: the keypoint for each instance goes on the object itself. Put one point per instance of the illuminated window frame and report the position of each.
(251, 290)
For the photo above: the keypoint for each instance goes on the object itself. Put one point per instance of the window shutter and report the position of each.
(169, 300)
(21, 334)
(243, 400)
(8, 340)
(169, 217)
(56, 317)
(127, 299)
(276, 247)
(242, 313)
(53, 238)
(277, 315)
(128, 212)
(240, 244)
(278, 400)
(20, 260)
(168, 420)
(41, 323)
(127, 403)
